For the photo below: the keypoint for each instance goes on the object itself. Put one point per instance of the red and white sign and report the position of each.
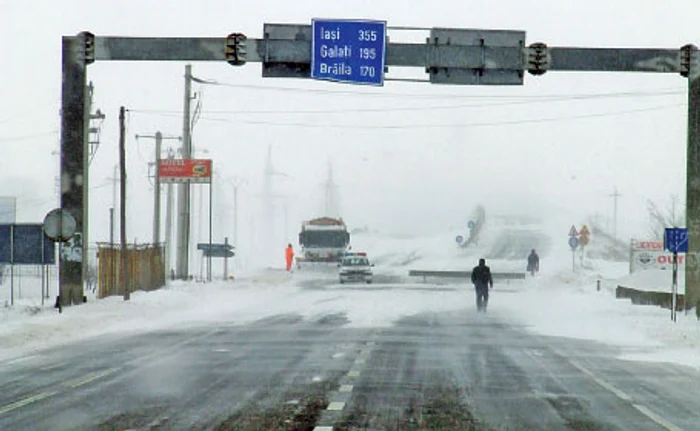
(647, 245)
(651, 255)
(184, 170)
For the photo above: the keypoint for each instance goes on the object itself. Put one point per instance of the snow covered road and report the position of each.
(276, 351)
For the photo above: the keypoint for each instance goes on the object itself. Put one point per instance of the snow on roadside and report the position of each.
(557, 302)
(569, 305)
(25, 328)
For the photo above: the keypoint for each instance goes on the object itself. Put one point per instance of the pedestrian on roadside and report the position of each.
(533, 263)
(289, 256)
(482, 280)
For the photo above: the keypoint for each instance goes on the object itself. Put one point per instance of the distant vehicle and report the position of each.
(323, 239)
(355, 267)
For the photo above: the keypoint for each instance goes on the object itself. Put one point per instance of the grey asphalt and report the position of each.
(447, 371)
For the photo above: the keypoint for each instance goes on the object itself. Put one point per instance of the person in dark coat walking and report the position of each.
(481, 277)
(533, 262)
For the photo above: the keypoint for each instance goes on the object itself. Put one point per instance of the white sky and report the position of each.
(406, 179)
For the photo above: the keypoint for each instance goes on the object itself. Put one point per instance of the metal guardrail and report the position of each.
(464, 274)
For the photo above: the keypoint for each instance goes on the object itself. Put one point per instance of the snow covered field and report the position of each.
(557, 302)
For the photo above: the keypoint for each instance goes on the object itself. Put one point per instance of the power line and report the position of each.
(521, 101)
(433, 126)
(409, 95)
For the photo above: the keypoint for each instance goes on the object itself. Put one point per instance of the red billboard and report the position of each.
(184, 170)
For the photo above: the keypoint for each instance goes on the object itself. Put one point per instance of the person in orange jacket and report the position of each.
(290, 257)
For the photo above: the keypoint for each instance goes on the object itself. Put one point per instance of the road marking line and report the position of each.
(336, 406)
(346, 388)
(25, 401)
(53, 366)
(359, 361)
(656, 418)
(18, 360)
(75, 383)
(323, 429)
(620, 394)
(353, 373)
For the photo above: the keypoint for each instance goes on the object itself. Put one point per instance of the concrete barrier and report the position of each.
(464, 274)
(645, 297)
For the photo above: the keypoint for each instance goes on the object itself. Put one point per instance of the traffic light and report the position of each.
(537, 59)
(686, 59)
(236, 49)
(88, 45)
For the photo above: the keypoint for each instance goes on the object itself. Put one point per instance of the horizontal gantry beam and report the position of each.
(397, 54)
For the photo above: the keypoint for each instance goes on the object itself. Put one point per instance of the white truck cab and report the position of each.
(355, 267)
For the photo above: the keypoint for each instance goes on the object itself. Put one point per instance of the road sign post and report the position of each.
(675, 241)
(573, 243)
(348, 51)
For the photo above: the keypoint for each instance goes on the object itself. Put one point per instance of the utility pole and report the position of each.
(122, 216)
(76, 55)
(156, 191)
(226, 260)
(111, 287)
(89, 89)
(235, 217)
(169, 221)
(183, 202)
(615, 195)
(156, 180)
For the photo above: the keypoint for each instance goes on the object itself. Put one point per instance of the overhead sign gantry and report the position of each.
(448, 56)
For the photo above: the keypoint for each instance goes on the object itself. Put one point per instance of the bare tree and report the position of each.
(660, 218)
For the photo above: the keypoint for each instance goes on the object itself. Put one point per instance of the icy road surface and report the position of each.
(309, 354)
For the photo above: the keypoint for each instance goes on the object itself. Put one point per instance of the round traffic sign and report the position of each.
(573, 242)
(59, 225)
(459, 239)
(471, 224)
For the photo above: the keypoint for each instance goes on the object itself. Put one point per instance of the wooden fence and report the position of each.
(145, 264)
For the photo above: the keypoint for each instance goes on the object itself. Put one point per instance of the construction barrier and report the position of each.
(145, 264)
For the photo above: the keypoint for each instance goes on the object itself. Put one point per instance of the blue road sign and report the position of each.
(459, 239)
(471, 224)
(22, 244)
(348, 51)
(573, 242)
(676, 240)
